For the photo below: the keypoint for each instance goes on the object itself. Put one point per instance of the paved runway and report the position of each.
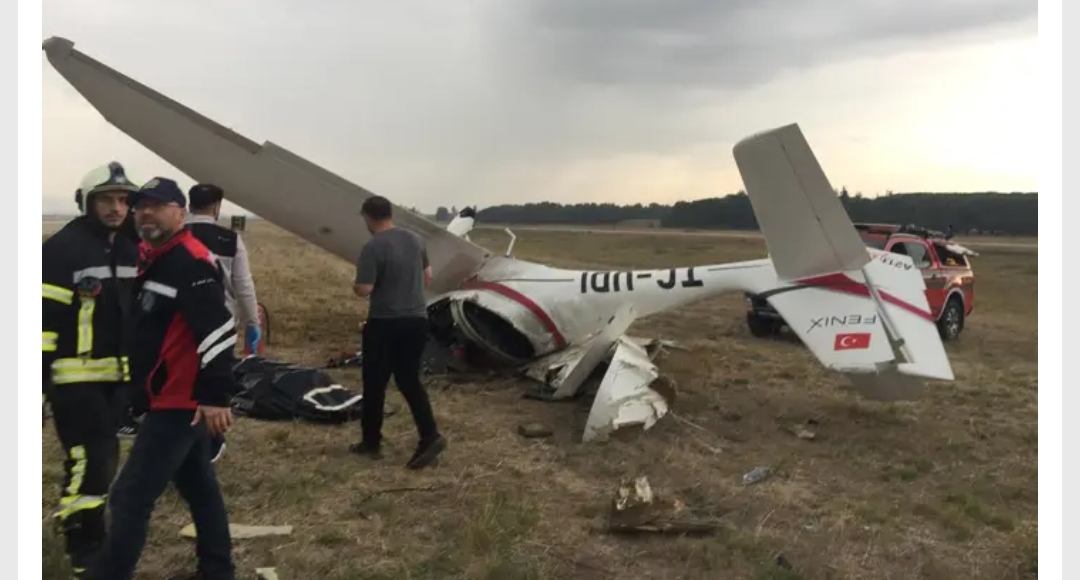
(973, 243)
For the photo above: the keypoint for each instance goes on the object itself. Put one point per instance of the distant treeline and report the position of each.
(992, 213)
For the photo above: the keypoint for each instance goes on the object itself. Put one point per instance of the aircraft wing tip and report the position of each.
(54, 45)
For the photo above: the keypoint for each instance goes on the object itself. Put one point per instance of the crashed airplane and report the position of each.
(558, 325)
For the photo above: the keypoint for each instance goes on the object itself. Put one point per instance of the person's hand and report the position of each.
(218, 419)
(251, 338)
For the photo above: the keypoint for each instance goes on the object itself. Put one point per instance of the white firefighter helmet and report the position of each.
(110, 177)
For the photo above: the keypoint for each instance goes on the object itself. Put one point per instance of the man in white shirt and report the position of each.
(204, 209)
(204, 203)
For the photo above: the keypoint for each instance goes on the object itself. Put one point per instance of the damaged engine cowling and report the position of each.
(492, 326)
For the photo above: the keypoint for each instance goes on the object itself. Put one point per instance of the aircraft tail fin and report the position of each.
(861, 312)
(806, 229)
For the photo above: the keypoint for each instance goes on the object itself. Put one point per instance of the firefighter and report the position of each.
(182, 356)
(88, 274)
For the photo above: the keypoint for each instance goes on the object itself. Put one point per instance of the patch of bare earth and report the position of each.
(944, 488)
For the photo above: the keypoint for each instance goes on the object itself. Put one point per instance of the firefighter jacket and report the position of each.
(128, 229)
(184, 337)
(86, 306)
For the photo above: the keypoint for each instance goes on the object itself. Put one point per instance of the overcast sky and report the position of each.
(502, 101)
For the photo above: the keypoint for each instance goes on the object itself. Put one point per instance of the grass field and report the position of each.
(944, 488)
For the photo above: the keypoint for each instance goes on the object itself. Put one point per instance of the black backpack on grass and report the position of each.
(278, 391)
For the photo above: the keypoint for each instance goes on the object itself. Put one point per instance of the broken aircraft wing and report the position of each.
(566, 370)
(625, 396)
(266, 179)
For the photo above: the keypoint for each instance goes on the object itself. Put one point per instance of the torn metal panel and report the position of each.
(566, 371)
(654, 346)
(552, 369)
(625, 396)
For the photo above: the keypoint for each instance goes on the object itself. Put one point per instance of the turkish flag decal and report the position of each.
(852, 341)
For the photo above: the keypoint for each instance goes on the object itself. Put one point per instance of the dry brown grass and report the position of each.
(945, 488)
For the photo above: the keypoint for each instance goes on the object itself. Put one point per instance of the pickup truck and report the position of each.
(946, 270)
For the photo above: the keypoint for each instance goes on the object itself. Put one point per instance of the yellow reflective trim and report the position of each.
(86, 326)
(48, 341)
(78, 453)
(73, 501)
(72, 505)
(80, 370)
(57, 293)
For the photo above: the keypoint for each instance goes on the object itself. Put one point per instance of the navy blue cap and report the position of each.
(162, 189)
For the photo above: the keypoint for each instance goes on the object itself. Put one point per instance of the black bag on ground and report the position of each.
(278, 391)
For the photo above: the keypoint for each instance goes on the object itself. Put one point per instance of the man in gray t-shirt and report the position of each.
(392, 272)
(395, 263)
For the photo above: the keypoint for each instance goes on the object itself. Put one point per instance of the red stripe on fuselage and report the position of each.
(842, 283)
(525, 301)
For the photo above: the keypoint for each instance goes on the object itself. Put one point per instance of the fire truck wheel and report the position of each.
(761, 326)
(951, 322)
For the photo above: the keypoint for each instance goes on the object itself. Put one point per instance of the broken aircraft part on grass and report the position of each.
(266, 574)
(559, 324)
(242, 531)
(636, 508)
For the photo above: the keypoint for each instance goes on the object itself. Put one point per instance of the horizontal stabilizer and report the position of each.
(850, 330)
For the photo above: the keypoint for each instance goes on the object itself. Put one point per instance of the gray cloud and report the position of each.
(735, 43)
(492, 97)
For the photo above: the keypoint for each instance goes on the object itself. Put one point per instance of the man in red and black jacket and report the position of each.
(182, 354)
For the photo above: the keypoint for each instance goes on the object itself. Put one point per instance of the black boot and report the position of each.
(366, 449)
(129, 427)
(80, 562)
(426, 452)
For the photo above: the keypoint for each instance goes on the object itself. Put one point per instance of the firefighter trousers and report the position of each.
(86, 419)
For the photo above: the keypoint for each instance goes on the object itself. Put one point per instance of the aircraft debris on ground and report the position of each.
(266, 574)
(242, 531)
(636, 509)
(557, 325)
